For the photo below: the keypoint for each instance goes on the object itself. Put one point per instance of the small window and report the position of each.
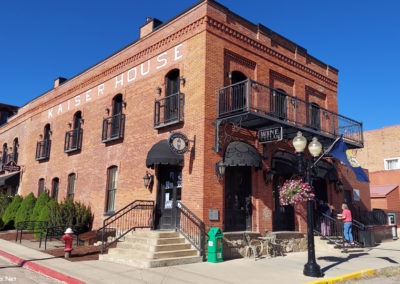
(41, 188)
(54, 188)
(112, 180)
(392, 164)
(71, 186)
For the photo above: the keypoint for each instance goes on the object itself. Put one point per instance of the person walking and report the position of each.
(324, 213)
(347, 225)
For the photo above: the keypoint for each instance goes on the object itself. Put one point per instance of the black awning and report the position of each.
(241, 154)
(325, 170)
(11, 179)
(160, 153)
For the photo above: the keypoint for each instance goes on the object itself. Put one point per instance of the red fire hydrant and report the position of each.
(67, 238)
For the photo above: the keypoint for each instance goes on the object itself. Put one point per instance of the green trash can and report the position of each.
(215, 245)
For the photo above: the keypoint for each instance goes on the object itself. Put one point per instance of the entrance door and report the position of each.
(238, 207)
(169, 193)
(283, 214)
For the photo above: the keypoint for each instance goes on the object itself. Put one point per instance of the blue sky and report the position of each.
(42, 40)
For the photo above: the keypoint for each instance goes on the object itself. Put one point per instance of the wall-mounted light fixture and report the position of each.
(158, 90)
(40, 136)
(147, 180)
(230, 75)
(220, 169)
(107, 110)
(124, 104)
(69, 124)
(182, 80)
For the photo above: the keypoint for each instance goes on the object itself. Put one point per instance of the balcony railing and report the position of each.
(256, 104)
(43, 150)
(168, 110)
(73, 140)
(113, 128)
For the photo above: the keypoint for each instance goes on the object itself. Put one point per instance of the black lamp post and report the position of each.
(311, 268)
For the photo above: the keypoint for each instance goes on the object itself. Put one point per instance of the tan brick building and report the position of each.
(205, 88)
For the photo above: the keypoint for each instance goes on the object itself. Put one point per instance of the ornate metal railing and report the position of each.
(113, 128)
(138, 214)
(191, 227)
(73, 140)
(43, 150)
(252, 97)
(168, 110)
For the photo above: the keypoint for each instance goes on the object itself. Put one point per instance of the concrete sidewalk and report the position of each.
(283, 269)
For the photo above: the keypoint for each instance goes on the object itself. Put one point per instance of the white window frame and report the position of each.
(388, 164)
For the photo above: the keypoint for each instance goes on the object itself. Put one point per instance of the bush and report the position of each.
(10, 213)
(51, 212)
(26, 209)
(4, 202)
(40, 203)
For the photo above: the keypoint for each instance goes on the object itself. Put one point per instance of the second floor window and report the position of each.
(71, 186)
(73, 137)
(43, 145)
(392, 164)
(278, 104)
(315, 116)
(114, 125)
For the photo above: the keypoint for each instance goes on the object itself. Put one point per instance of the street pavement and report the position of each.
(335, 265)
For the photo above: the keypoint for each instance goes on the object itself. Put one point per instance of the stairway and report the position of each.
(148, 249)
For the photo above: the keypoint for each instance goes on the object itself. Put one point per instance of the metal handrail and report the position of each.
(252, 97)
(138, 214)
(191, 227)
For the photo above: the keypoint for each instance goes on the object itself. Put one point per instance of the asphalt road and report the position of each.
(12, 273)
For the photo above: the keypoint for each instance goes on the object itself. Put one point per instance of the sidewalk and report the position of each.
(287, 269)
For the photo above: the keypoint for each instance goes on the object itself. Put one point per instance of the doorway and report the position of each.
(283, 215)
(238, 207)
(169, 193)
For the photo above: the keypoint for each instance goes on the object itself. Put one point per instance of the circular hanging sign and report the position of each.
(178, 143)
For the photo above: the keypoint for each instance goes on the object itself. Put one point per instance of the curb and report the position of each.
(40, 269)
(350, 276)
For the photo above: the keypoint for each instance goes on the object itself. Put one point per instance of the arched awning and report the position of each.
(284, 163)
(160, 153)
(241, 154)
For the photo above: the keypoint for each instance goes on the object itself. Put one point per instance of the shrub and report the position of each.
(9, 214)
(26, 209)
(40, 203)
(4, 202)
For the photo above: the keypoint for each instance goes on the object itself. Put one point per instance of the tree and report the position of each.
(26, 209)
(40, 203)
(9, 214)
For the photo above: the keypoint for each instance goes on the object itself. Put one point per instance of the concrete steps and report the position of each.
(147, 249)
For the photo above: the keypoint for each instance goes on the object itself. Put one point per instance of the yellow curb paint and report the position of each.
(354, 275)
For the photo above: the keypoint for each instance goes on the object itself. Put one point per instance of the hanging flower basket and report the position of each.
(294, 191)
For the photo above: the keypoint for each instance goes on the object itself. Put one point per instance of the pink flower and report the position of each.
(294, 191)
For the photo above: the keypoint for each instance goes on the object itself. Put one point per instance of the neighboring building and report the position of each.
(381, 155)
(205, 106)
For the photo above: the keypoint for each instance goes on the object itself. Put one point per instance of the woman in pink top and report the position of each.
(347, 224)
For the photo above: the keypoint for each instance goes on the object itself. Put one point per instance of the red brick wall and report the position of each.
(213, 45)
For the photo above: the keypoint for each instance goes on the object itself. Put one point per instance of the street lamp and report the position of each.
(311, 268)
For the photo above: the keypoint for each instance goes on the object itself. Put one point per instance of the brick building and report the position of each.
(381, 155)
(206, 107)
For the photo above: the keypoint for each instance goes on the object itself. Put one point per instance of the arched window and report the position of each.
(54, 188)
(114, 126)
(41, 188)
(71, 186)
(15, 153)
(73, 138)
(112, 180)
(43, 146)
(5, 152)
